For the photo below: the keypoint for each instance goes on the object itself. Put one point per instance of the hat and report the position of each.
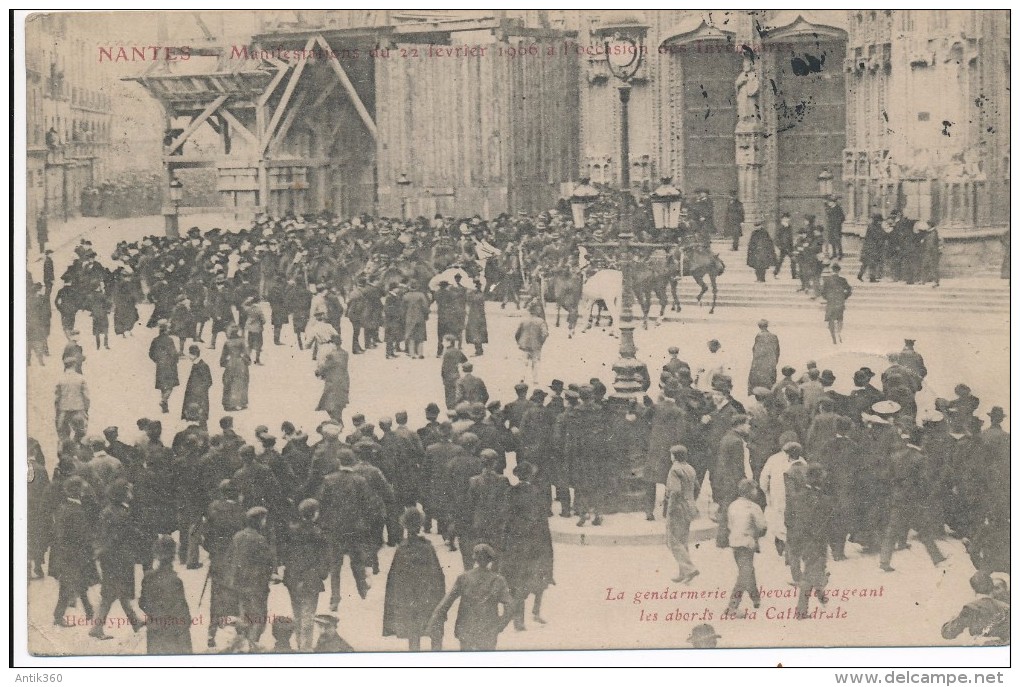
(556, 385)
(432, 409)
(520, 386)
(307, 507)
(763, 323)
(483, 551)
(788, 371)
(493, 405)
(885, 408)
(538, 395)
(330, 431)
(256, 512)
(827, 375)
(702, 632)
(867, 371)
(678, 451)
(364, 445)
(164, 548)
(996, 413)
(261, 429)
(673, 350)
(573, 395)
(909, 342)
(524, 470)
(327, 619)
(760, 391)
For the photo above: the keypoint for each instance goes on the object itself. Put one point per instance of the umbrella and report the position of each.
(448, 274)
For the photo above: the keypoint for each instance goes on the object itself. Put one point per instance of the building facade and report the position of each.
(69, 117)
(885, 109)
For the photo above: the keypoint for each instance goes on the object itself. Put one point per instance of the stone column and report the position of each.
(750, 130)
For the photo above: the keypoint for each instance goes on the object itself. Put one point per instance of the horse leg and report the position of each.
(711, 276)
(676, 296)
(700, 279)
(557, 314)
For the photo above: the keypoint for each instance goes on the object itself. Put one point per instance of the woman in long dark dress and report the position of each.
(527, 562)
(872, 250)
(476, 329)
(235, 362)
(125, 303)
(414, 587)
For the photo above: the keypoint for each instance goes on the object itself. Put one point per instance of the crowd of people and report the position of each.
(815, 469)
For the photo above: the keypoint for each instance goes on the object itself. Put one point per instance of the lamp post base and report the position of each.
(172, 223)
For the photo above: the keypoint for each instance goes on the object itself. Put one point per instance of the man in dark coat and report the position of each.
(784, 246)
(393, 321)
(447, 310)
(163, 352)
(668, 428)
(864, 395)
(471, 388)
(196, 391)
(732, 465)
(764, 359)
(761, 251)
(840, 457)
(71, 554)
(332, 370)
(163, 601)
(438, 455)
(347, 507)
(834, 218)
(40, 517)
(298, 302)
(453, 358)
(734, 218)
(223, 519)
(279, 310)
(458, 308)
(835, 291)
(249, 569)
(808, 517)
(457, 480)
(414, 586)
(306, 565)
(487, 503)
(117, 545)
(48, 272)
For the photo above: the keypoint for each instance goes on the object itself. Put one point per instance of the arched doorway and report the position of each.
(810, 122)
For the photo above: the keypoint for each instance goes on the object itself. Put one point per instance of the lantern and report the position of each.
(666, 205)
(584, 194)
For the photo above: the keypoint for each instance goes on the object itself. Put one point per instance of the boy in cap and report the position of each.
(481, 591)
(746, 524)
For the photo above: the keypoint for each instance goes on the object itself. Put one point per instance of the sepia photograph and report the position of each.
(513, 330)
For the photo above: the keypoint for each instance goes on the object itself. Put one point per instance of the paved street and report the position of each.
(579, 614)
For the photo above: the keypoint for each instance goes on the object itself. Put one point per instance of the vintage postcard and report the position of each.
(448, 330)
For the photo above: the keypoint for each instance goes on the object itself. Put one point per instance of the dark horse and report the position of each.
(563, 287)
(651, 277)
(698, 261)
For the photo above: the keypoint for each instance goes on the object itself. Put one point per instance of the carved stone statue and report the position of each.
(748, 87)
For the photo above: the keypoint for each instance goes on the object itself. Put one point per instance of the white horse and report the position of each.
(604, 288)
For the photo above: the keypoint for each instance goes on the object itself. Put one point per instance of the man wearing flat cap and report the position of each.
(471, 388)
(249, 569)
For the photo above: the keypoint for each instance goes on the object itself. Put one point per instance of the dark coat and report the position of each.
(71, 555)
(279, 312)
(305, 558)
(873, 246)
(155, 502)
(163, 352)
(196, 392)
(734, 218)
(472, 389)
(764, 359)
(414, 587)
(476, 329)
(728, 469)
(168, 627)
(761, 252)
(835, 291)
(487, 501)
(119, 541)
(459, 472)
(437, 460)
(249, 563)
(527, 562)
(347, 505)
(668, 425)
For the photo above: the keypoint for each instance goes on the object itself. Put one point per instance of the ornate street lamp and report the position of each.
(825, 183)
(666, 205)
(176, 193)
(583, 195)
